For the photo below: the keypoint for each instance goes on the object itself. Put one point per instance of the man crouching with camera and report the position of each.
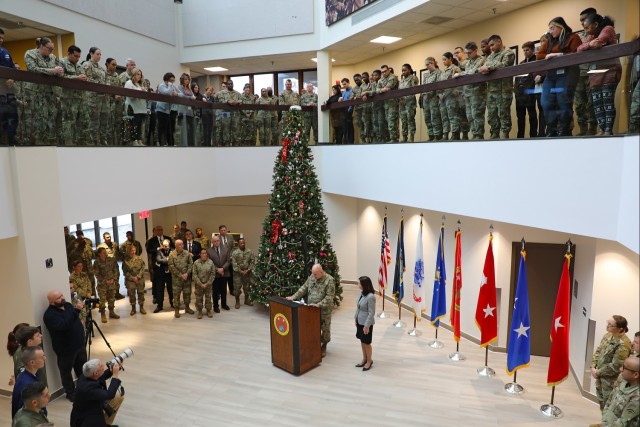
(95, 404)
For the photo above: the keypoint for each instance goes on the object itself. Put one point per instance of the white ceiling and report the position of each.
(18, 28)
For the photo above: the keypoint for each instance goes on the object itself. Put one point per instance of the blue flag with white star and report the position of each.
(519, 347)
(439, 300)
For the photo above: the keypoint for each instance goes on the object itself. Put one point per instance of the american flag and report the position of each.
(385, 258)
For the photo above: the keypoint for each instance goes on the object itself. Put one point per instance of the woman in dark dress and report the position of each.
(364, 317)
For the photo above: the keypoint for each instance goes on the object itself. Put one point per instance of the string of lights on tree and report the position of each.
(294, 232)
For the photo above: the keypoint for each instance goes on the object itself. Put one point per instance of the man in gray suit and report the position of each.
(221, 258)
(227, 241)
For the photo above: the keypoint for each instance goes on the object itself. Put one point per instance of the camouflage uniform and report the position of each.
(43, 101)
(104, 271)
(205, 242)
(204, 272)
(310, 117)
(98, 104)
(500, 94)
(320, 291)
(243, 260)
(227, 120)
(113, 251)
(81, 285)
(134, 268)
(275, 135)
(431, 108)
(75, 116)
(582, 99)
(179, 264)
(124, 248)
(408, 108)
(85, 255)
(623, 407)
(115, 108)
(264, 119)
(287, 97)
(475, 98)
(122, 121)
(247, 134)
(634, 111)
(366, 112)
(380, 129)
(390, 106)
(449, 107)
(465, 124)
(607, 360)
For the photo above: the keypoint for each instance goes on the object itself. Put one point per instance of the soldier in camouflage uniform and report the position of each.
(180, 264)
(124, 120)
(623, 407)
(499, 92)
(310, 98)
(82, 285)
(378, 121)
(75, 117)
(264, 119)
(275, 135)
(465, 122)
(43, 101)
(81, 250)
(98, 102)
(205, 242)
(366, 111)
(108, 276)
(431, 102)
(389, 82)
(287, 97)
(203, 274)
(124, 248)
(320, 289)
(133, 269)
(449, 107)
(115, 105)
(243, 263)
(634, 111)
(227, 120)
(248, 131)
(475, 95)
(408, 104)
(609, 357)
(582, 99)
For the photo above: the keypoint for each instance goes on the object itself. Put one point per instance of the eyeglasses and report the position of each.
(50, 49)
(624, 368)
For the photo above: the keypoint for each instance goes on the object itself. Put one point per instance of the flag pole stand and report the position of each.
(399, 323)
(382, 314)
(435, 343)
(457, 356)
(414, 332)
(486, 371)
(549, 409)
(514, 387)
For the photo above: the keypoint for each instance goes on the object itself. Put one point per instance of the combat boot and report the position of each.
(209, 313)
(455, 136)
(465, 136)
(431, 137)
(103, 317)
(504, 135)
(237, 301)
(133, 309)
(199, 314)
(113, 315)
(176, 314)
(404, 138)
(584, 129)
(411, 137)
(593, 128)
(438, 137)
(187, 309)
(142, 310)
(247, 301)
(494, 135)
(323, 349)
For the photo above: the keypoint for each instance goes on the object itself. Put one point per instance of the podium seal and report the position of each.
(281, 324)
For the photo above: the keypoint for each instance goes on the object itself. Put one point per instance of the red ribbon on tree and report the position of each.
(276, 226)
(285, 146)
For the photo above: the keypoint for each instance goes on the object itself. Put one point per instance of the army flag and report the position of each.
(439, 301)
(398, 276)
(385, 257)
(559, 359)
(418, 278)
(457, 287)
(486, 316)
(519, 350)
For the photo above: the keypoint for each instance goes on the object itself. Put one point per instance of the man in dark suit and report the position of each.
(152, 246)
(191, 246)
(221, 260)
(227, 241)
(92, 394)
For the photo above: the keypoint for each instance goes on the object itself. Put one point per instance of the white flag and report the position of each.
(419, 305)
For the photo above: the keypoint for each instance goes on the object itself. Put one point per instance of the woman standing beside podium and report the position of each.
(364, 316)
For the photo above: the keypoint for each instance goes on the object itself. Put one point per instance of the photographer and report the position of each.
(96, 405)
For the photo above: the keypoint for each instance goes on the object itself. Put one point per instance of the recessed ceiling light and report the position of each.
(316, 60)
(216, 69)
(386, 39)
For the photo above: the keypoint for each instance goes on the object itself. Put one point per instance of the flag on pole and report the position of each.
(398, 276)
(486, 317)
(418, 278)
(559, 360)
(457, 287)
(385, 258)
(439, 301)
(519, 350)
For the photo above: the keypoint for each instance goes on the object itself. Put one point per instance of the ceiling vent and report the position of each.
(437, 20)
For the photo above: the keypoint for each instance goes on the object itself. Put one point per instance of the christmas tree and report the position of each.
(294, 232)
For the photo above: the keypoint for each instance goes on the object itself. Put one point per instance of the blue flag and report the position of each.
(439, 302)
(398, 275)
(519, 349)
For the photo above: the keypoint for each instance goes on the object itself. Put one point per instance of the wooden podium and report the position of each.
(295, 335)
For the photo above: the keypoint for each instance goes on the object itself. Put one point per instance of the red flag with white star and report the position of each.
(559, 360)
(486, 310)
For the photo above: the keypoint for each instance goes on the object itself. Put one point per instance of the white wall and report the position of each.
(7, 207)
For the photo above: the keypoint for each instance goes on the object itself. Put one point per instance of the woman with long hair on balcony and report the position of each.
(136, 107)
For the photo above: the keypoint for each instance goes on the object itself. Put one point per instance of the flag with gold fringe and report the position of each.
(419, 305)
(559, 359)
(398, 275)
(519, 347)
(457, 288)
(439, 301)
(385, 258)
(486, 316)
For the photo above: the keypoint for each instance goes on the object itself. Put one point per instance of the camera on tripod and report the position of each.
(127, 353)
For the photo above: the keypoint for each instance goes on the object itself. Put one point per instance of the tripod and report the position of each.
(89, 333)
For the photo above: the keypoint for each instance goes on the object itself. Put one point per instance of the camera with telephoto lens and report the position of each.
(127, 353)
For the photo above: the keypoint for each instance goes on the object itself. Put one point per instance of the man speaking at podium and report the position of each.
(320, 288)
